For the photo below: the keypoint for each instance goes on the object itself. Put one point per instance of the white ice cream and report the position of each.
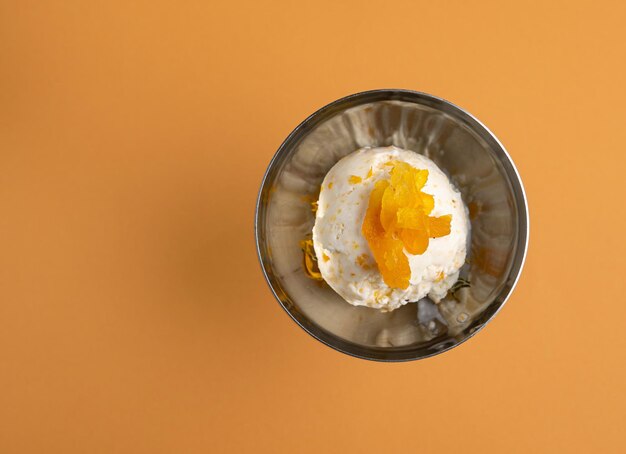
(344, 257)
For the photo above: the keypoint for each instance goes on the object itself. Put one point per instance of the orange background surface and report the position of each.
(134, 317)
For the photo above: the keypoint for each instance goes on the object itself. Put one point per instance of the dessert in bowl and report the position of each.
(412, 219)
(390, 229)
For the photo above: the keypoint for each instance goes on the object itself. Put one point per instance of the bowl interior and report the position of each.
(473, 159)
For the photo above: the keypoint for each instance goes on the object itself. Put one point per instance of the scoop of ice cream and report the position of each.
(345, 258)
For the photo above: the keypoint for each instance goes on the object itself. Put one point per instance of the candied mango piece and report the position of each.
(310, 260)
(397, 219)
(438, 227)
(395, 264)
(387, 250)
(415, 241)
(411, 218)
(372, 227)
(428, 203)
(389, 207)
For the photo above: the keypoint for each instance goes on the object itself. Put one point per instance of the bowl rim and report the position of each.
(409, 353)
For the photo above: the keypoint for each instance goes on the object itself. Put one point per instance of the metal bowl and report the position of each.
(477, 164)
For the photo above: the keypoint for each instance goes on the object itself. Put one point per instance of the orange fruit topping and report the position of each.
(397, 218)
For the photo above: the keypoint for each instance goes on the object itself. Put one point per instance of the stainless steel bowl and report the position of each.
(475, 161)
